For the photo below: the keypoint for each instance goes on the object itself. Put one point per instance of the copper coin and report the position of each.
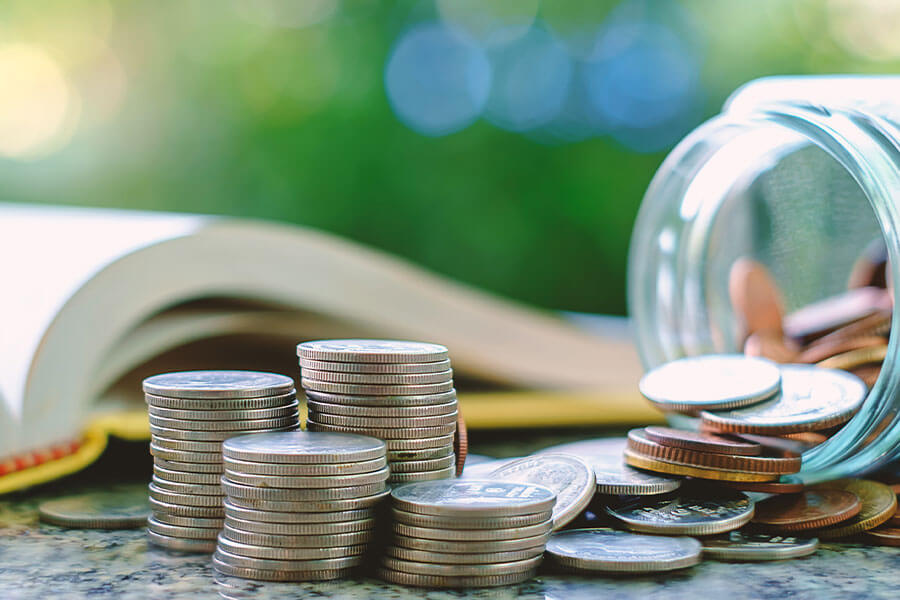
(868, 373)
(672, 467)
(788, 484)
(807, 510)
(856, 358)
(808, 438)
(774, 462)
(461, 443)
(877, 324)
(883, 536)
(773, 346)
(820, 318)
(879, 503)
(870, 269)
(702, 442)
(827, 349)
(781, 443)
(894, 521)
(755, 296)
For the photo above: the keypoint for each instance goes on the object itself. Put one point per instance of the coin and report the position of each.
(695, 511)
(714, 381)
(743, 546)
(702, 442)
(443, 581)
(786, 484)
(181, 544)
(461, 570)
(237, 490)
(268, 540)
(212, 426)
(568, 476)
(412, 476)
(299, 447)
(471, 535)
(379, 378)
(270, 552)
(388, 401)
(855, 358)
(821, 351)
(350, 367)
(672, 467)
(187, 445)
(202, 522)
(439, 451)
(755, 296)
(819, 318)
(188, 467)
(185, 456)
(883, 536)
(178, 531)
(808, 510)
(185, 499)
(281, 576)
(402, 434)
(182, 477)
(376, 390)
(195, 435)
(460, 443)
(218, 384)
(613, 476)
(182, 510)
(474, 522)
(445, 558)
(773, 461)
(191, 489)
(212, 404)
(119, 507)
(868, 373)
(385, 422)
(285, 410)
(239, 513)
(811, 398)
(302, 506)
(234, 465)
(467, 498)
(327, 408)
(308, 481)
(372, 351)
(412, 466)
(468, 547)
(614, 551)
(879, 503)
(878, 323)
(315, 564)
(772, 346)
(302, 529)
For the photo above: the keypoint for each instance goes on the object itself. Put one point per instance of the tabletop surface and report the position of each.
(44, 561)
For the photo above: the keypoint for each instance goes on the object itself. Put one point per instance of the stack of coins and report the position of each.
(300, 505)
(191, 414)
(467, 533)
(400, 392)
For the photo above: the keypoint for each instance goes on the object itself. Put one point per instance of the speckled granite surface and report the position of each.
(49, 562)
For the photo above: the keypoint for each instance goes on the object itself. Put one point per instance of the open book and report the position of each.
(95, 300)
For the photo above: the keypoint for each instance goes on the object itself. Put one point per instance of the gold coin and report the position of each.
(855, 358)
(879, 503)
(640, 461)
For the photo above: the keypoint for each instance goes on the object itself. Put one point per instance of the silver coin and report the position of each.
(178, 531)
(442, 451)
(184, 499)
(458, 570)
(378, 378)
(699, 511)
(218, 384)
(412, 466)
(570, 477)
(474, 497)
(234, 511)
(254, 551)
(482, 470)
(183, 510)
(384, 422)
(187, 445)
(811, 398)
(436, 522)
(412, 476)
(303, 529)
(711, 382)
(181, 544)
(192, 489)
(613, 476)
(184, 456)
(280, 576)
(741, 546)
(303, 506)
(188, 467)
(372, 351)
(607, 550)
(181, 477)
(310, 481)
(376, 390)
(251, 424)
(443, 581)
(350, 367)
(472, 535)
(119, 507)
(271, 564)
(439, 442)
(214, 404)
(446, 558)
(285, 410)
(403, 412)
(303, 447)
(237, 490)
(465, 547)
(354, 538)
(194, 435)
(202, 522)
(399, 433)
(396, 401)
(234, 465)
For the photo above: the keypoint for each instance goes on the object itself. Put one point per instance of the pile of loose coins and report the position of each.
(399, 392)
(467, 533)
(191, 414)
(300, 506)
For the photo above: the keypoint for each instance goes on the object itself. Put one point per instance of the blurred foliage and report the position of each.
(226, 107)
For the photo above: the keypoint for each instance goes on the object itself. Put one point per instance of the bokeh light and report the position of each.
(867, 28)
(437, 80)
(489, 21)
(286, 13)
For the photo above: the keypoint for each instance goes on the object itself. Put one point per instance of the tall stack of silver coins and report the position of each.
(400, 392)
(300, 506)
(191, 414)
(467, 533)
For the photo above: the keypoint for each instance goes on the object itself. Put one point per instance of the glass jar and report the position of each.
(801, 174)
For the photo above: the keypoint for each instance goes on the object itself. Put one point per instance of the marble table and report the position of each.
(49, 562)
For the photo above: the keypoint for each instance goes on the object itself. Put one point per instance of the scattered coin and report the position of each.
(808, 510)
(678, 468)
(218, 384)
(879, 503)
(608, 550)
(696, 511)
(702, 442)
(371, 351)
(741, 546)
(119, 507)
(883, 536)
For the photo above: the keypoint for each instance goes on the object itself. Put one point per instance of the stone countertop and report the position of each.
(48, 562)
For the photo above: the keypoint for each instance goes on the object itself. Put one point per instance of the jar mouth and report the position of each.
(676, 295)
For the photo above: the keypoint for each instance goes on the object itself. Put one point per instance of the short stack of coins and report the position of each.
(191, 414)
(467, 533)
(400, 392)
(300, 506)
